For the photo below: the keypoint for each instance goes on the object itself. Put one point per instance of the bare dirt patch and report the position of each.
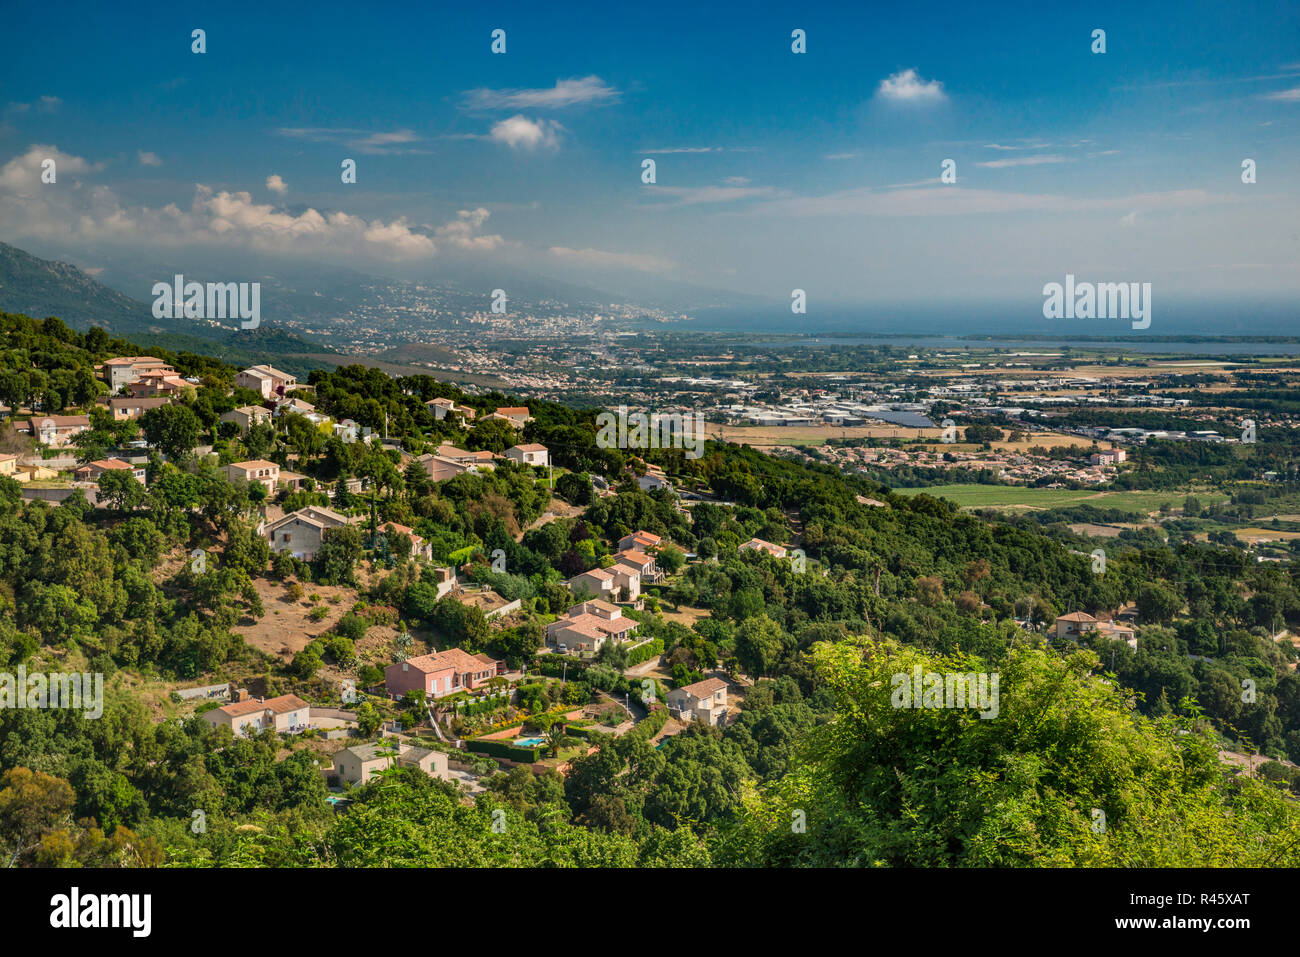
(287, 627)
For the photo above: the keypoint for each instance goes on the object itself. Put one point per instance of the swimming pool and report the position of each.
(528, 742)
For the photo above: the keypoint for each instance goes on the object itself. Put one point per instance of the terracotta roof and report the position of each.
(453, 658)
(702, 689)
(1077, 616)
(531, 447)
(585, 625)
(280, 705)
(254, 464)
(594, 603)
(132, 360)
(513, 410)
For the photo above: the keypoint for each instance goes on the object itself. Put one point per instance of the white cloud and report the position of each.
(463, 231)
(93, 212)
(1129, 219)
(149, 159)
(906, 86)
(589, 89)
(1037, 160)
(949, 200)
(695, 195)
(24, 172)
(683, 149)
(1285, 96)
(1030, 146)
(363, 141)
(519, 132)
(840, 156)
(603, 259)
(46, 104)
(276, 184)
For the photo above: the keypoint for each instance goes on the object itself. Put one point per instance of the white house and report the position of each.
(532, 454)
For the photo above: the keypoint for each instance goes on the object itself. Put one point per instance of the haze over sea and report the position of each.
(1021, 325)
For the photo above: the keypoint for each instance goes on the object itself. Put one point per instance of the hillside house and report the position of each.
(301, 533)
(56, 431)
(758, 545)
(440, 674)
(516, 415)
(265, 473)
(267, 381)
(532, 454)
(247, 416)
(639, 540)
(124, 370)
(1073, 626)
(358, 763)
(287, 714)
(91, 471)
(608, 583)
(420, 549)
(130, 408)
(703, 701)
(587, 626)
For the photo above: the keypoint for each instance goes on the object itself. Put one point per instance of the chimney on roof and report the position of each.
(241, 694)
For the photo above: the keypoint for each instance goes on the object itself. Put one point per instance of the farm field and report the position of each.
(1011, 496)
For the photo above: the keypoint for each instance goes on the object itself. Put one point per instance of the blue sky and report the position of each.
(774, 170)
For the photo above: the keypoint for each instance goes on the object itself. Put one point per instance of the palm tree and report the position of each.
(557, 737)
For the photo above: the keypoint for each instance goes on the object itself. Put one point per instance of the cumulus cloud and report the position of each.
(463, 231)
(90, 212)
(906, 86)
(604, 259)
(276, 184)
(24, 172)
(589, 89)
(519, 132)
(148, 159)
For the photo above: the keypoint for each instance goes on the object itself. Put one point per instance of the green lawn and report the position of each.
(1010, 496)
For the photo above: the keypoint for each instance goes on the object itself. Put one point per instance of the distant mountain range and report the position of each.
(40, 287)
